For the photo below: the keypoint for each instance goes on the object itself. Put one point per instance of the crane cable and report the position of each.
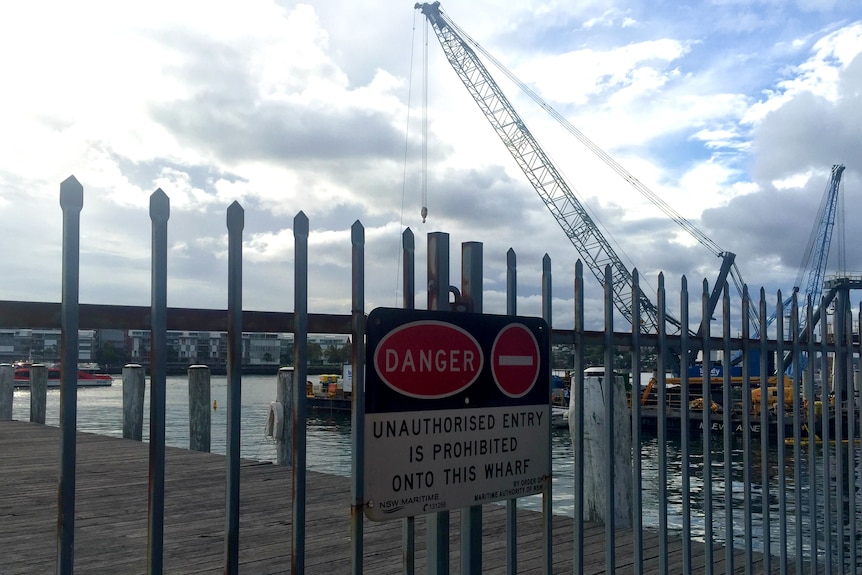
(404, 166)
(424, 211)
(625, 174)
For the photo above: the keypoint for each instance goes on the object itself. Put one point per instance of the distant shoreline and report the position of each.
(246, 369)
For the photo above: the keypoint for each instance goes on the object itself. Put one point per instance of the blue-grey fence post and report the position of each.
(235, 224)
(438, 299)
(637, 470)
(797, 436)
(764, 432)
(576, 419)
(780, 406)
(71, 202)
(160, 209)
(511, 504)
(7, 390)
(471, 517)
(547, 492)
(133, 402)
(357, 440)
(827, 464)
(608, 440)
(300, 359)
(726, 401)
(684, 354)
(852, 431)
(812, 432)
(706, 412)
(839, 376)
(200, 412)
(746, 430)
(39, 392)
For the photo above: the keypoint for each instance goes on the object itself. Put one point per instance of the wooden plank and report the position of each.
(111, 517)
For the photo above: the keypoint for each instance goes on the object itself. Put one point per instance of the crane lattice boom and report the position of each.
(541, 172)
(813, 267)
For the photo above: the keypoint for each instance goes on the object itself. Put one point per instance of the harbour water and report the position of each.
(329, 451)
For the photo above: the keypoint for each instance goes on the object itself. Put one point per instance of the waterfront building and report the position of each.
(18, 344)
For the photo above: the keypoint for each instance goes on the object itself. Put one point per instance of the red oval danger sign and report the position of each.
(428, 359)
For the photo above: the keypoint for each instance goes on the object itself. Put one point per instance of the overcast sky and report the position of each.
(732, 111)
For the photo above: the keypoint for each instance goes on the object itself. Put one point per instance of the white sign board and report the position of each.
(424, 462)
(457, 411)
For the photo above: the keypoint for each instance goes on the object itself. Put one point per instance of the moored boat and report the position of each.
(89, 375)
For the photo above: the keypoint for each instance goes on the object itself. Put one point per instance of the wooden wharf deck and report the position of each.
(111, 518)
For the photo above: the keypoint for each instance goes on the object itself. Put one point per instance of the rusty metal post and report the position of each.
(408, 245)
(300, 362)
(200, 412)
(235, 224)
(133, 402)
(357, 419)
(39, 392)
(160, 208)
(408, 526)
(71, 202)
(438, 299)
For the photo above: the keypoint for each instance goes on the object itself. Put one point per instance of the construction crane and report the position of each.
(817, 250)
(813, 266)
(550, 185)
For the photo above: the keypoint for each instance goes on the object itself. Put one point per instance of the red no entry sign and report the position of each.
(515, 360)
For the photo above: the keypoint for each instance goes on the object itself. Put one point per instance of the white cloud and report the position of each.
(303, 106)
(574, 77)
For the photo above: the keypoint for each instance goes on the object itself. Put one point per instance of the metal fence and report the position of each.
(777, 479)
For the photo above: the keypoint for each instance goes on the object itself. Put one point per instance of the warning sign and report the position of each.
(457, 410)
(515, 360)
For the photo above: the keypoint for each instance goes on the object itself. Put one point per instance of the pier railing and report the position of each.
(777, 478)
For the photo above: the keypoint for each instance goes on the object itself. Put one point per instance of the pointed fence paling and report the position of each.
(787, 489)
(816, 518)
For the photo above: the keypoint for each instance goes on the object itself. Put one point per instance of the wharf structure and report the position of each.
(111, 535)
(113, 347)
(740, 530)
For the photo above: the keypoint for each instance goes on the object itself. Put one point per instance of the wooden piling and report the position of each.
(7, 387)
(284, 399)
(200, 414)
(596, 452)
(133, 402)
(38, 392)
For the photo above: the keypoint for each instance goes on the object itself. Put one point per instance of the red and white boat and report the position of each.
(89, 375)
